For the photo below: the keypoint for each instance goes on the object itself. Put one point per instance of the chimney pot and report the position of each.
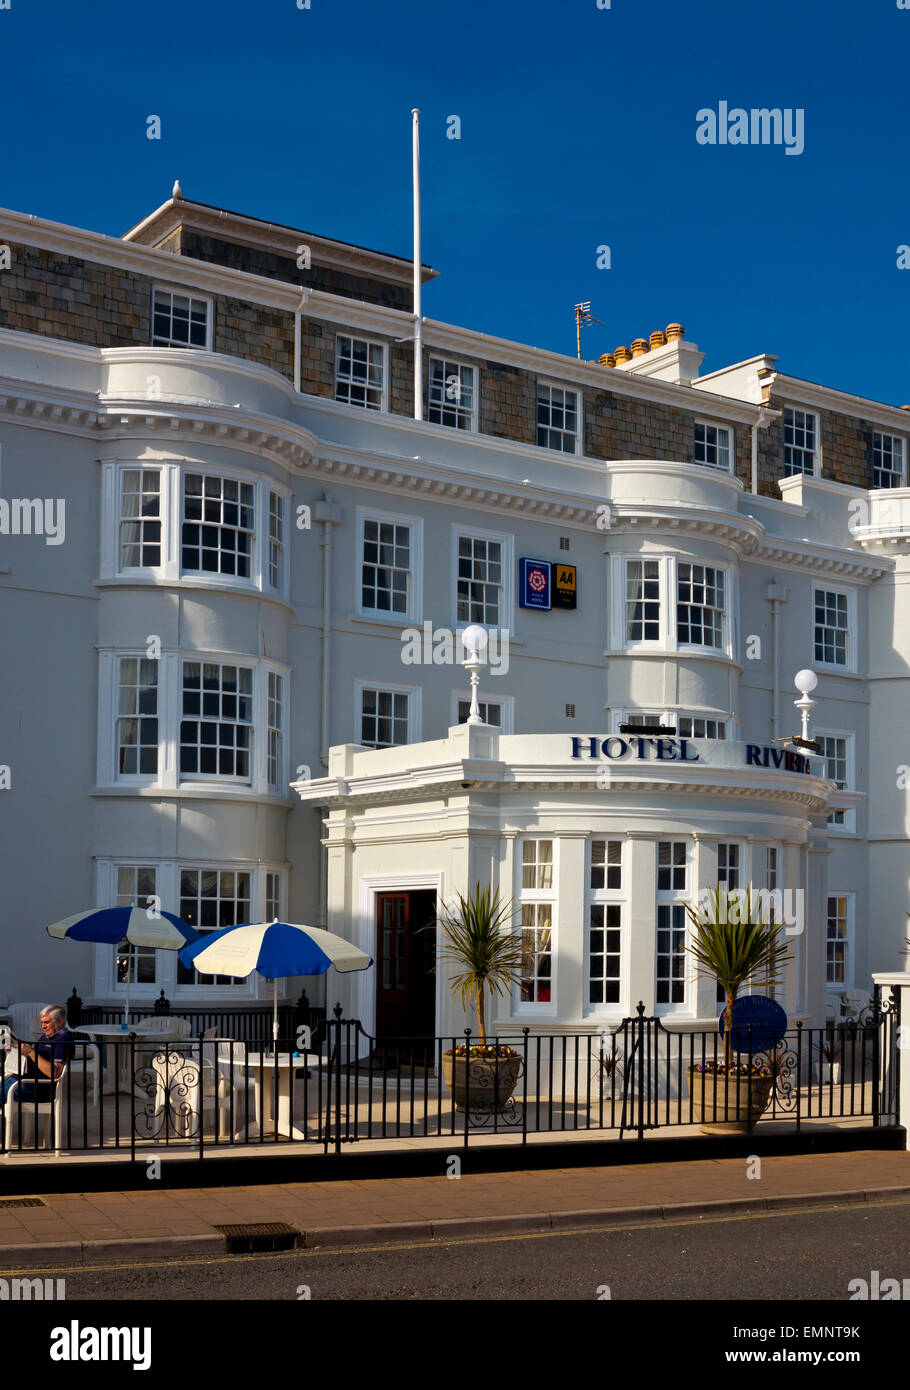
(607, 360)
(622, 354)
(639, 347)
(658, 339)
(675, 332)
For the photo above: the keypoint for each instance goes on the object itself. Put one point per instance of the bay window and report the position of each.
(668, 603)
(185, 718)
(172, 522)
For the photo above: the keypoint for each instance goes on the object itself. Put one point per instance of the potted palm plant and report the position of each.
(487, 954)
(731, 939)
(829, 1054)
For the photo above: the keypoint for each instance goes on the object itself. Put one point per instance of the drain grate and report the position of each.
(260, 1238)
(22, 1202)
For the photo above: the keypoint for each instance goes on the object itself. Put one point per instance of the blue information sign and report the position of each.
(768, 1020)
(534, 584)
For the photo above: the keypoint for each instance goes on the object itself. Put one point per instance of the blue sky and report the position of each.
(578, 129)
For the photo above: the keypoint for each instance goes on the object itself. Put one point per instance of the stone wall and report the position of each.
(846, 449)
(255, 332)
(45, 292)
(276, 267)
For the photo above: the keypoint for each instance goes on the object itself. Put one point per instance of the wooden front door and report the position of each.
(405, 956)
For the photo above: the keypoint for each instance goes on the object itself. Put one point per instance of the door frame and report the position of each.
(370, 888)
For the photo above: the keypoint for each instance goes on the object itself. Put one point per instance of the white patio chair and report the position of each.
(855, 1000)
(235, 1078)
(53, 1108)
(188, 1091)
(85, 1061)
(25, 1020)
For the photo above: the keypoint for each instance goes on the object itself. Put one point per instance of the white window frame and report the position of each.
(137, 989)
(138, 779)
(839, 987)
(671, 718)
(170, 706)
(281, 543)
(815, 452)
(532, 896)
(506, 704)
(901, 473)
(850, 595)
(668, 573)
(167, 884)
(384, 392)
(507, 542)
(255, 729)
(414, 708)
(678, 715)
(675, 897)
(243, 988)
(661, 642)
(718, 429)
(213, 474)
(171, 571)
(472, 415)
(120, 519)
(414, 612)
(607, 897)
(552, 385)
(160, 287)
(849, 737)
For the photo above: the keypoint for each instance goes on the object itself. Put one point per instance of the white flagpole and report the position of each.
(418, 320)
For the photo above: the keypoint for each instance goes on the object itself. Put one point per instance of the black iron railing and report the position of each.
(335, 1085)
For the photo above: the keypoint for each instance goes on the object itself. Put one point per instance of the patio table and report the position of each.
(264, 1067)
(122, 1081)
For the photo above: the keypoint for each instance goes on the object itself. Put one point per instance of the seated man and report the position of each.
(46, 1059)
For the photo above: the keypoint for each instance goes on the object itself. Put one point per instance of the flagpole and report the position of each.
(418, 320)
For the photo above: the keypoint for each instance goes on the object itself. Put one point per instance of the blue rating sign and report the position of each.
(535, 584)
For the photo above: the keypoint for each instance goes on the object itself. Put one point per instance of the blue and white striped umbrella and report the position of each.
(112, 924)
(139, 925)
(277, 950)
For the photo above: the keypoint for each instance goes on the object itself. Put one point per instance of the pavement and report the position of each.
(112, 1227)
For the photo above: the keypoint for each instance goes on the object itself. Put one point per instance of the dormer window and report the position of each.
(180, 320)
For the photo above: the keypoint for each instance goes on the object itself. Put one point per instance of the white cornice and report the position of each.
(827, 559)
(791, 388)
(740, 533)
(810, 482)
(431, 781)
(297, 448)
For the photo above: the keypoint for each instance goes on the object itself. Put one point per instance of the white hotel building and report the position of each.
(206, 696)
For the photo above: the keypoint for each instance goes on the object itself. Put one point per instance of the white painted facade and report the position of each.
(74, 420)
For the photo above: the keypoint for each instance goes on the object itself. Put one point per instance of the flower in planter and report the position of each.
(484, 1051)
(736, 1069)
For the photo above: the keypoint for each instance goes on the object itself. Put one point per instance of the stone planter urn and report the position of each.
(485, 1082)
(721, 1104)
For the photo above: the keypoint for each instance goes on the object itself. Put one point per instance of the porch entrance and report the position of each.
(405, 957)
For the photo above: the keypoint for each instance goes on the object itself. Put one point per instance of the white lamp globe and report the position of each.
(805, 681)
(475, 641)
